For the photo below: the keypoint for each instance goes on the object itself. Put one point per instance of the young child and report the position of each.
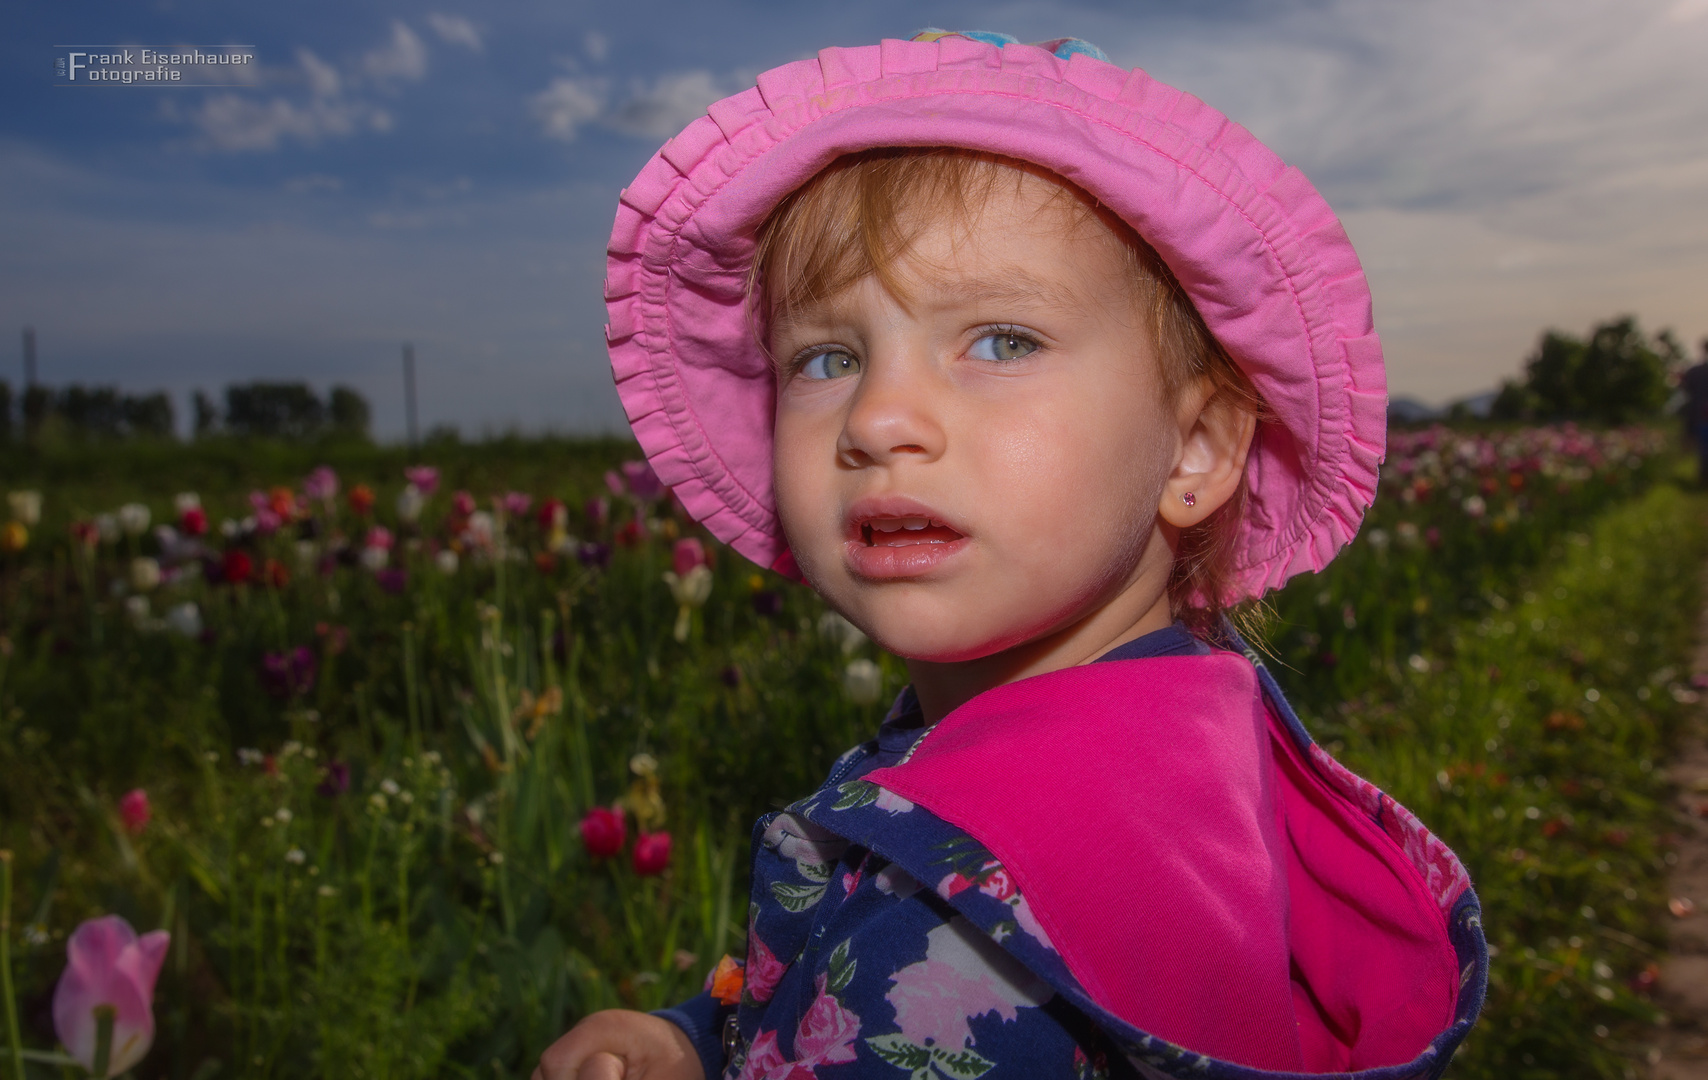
(1031, 366)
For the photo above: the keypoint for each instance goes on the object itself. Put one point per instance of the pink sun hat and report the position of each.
(1257, 249)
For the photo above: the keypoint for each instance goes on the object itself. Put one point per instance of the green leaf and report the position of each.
(819, 872)
(960, 1065)
(856, 793)
(898, 1051)
(796, 898)
(841, 968)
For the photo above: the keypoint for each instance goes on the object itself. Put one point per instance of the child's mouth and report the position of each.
(905, 532)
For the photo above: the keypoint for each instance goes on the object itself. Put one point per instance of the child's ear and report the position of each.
(1216, 435)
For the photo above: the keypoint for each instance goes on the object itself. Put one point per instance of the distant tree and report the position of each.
(92, 410)
(206, 417)
(38, 406)
(5, 411)
(274, 410)
(350, 412)
(148, 415)
(1616, 377)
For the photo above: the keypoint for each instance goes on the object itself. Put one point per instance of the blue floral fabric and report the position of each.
(885, 942)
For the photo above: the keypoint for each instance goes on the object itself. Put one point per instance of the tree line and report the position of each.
(275, 410)
(1617, 375)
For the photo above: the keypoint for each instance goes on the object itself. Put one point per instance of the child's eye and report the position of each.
(831, 364)
(1003, 346)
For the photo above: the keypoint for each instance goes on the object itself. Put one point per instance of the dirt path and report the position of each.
(1680, 1051)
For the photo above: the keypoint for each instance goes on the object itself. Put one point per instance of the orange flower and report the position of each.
(727, 979)
(273, 572)
(362, 499)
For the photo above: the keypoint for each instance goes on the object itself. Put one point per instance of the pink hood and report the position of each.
(1193, 857)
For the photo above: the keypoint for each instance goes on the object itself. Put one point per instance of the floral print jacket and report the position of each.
(884, 941)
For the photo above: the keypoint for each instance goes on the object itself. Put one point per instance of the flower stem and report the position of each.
(11, 1003)
(104, 1017)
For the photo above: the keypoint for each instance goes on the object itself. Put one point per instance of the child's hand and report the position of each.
(619, 1044)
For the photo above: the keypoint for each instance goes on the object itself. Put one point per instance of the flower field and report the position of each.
(416, 760)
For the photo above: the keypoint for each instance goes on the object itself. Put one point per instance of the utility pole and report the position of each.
(409, 394)
(29, 357)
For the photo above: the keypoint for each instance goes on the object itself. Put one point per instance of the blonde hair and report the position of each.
(864, 211)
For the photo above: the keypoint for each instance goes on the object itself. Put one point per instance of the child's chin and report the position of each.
(916, 642)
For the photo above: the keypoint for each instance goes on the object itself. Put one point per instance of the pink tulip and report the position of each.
(379, 537)
(516, 503)
(462, 504)
(652, 853)
(643, 483)
(603, 831)
(109, 967)
(134, 810)
(687, 554)
(321, 484)
(424, 477)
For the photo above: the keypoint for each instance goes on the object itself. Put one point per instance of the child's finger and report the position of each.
(602, 1066)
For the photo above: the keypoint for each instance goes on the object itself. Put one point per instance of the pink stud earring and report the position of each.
(1189, 499)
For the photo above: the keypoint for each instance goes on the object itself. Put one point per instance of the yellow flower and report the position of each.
(14, 536)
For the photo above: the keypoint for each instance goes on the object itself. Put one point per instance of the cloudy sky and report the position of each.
(446, 173)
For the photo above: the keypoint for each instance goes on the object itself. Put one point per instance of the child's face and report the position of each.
(980, 466)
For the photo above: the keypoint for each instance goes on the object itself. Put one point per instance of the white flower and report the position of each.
(375, 558)
(834, 627)
(229, 529)
(693, 589)
(137, 608)
(185, 619)
(26, 506)
(481, 529)
(133, 519)
(283, 813)
(446, 561)
(1475, 506)
(862, 681)
(1378, 539)
(248, 755)
(108, 526)
(497, 858)
(377, 801)
(144, 574)
(295, 856)
(409, 503)
(306, 552)
(389, 786)
(185, 501)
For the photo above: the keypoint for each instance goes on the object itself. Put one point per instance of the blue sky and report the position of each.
(446, 174)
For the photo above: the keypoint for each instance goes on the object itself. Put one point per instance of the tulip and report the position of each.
(185, 501)
(26, 506)
(603, 831)
(238, 567)
(445, 561)
(410, 502)
(108, 527)
(336, 781)
(423, 478)
(845, 634)
(594, 555)
(361, 500)
(598, 512)
(393, 581)
(14, 537)
(515, 503)
(687, 554)
(321, 484)
(193, 521)
(652, 853)
(134, 810)
(862, 681)
(137, 608)
(288, 674)
(144, 573)
(691, 590)
(481, 531)
(643, 483)
(462, 504)
(133, 519)
(273, 572)
(108, 989)
(553, 516)
(86, 533)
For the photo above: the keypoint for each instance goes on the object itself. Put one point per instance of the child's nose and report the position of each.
(892, 417)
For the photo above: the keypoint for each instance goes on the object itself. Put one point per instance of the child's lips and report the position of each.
(897, 537)
(883, 534)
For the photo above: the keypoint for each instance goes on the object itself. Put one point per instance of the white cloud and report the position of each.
(235, 123)
(323, 79)
(596, 45)
(568, 103)
(456, 30)
(670, 103)
(403, 58)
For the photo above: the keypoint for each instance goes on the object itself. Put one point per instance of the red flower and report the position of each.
(652, 853)
(553, 515)
(603, 830)
(687, 554)
(134, 810)
(462, 504)
(273, 572)
(362, 500)
(193, 522)
(238, 566)
(631, 534)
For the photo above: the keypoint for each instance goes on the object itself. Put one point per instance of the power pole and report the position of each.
(29, 357)
(409, 394)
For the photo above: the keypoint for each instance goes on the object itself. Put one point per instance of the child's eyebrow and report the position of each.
(1011, 287)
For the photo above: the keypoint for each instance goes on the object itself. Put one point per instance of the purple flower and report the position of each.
(393, 580)
(644, 484)
(321, 484)
(290, 673)
(424, 477)
(516, 503)
(335, 781)
(595, 555)
(598, 511)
